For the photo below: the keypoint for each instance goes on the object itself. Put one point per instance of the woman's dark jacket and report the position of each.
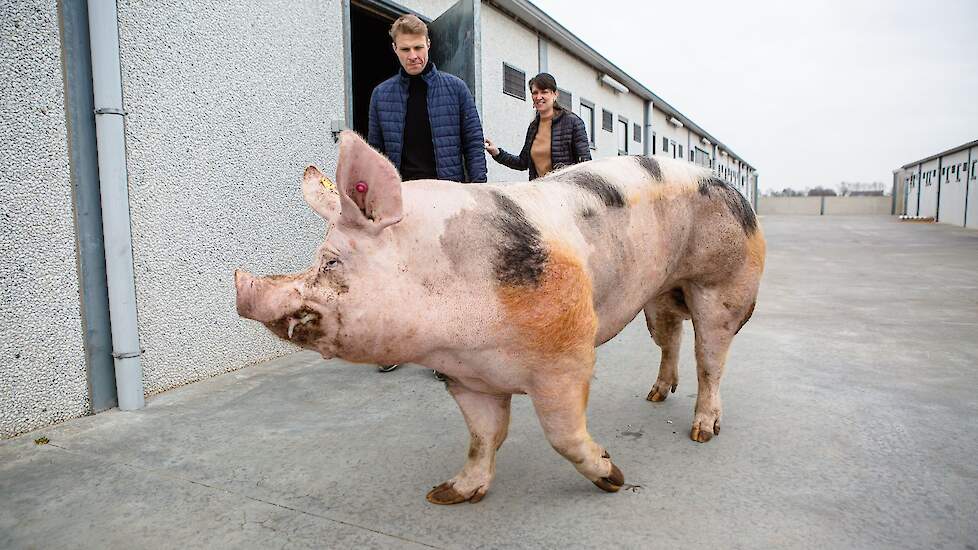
(568, 144)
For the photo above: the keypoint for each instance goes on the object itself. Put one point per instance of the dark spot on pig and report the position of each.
(679, 299)
(475, 447)
(302, 333)
(520, 253)
(334, 278)
(741, 210)
(596, 184)
(587, 213)
(650, 165)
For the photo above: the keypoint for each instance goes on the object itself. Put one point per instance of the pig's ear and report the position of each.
(370, 188)
(321, 194)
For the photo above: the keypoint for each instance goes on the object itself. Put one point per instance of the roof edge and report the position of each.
(950, 151)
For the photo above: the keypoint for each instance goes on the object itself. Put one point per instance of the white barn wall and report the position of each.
(928, 190)
(504, 117)
(428, 8)
(43, 379)
(952, 195)
(581, 79)
(227, 104)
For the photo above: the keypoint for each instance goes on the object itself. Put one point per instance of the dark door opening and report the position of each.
(372, 58)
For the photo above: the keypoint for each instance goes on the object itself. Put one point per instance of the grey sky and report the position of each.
(810, 93)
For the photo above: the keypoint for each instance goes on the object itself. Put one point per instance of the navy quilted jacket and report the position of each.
(455, 125)
(568, 144)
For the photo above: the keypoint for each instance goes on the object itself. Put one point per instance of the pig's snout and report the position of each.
(244, 284)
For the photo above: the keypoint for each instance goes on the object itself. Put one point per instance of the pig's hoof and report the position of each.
(613, 482)
(446, 494)
(704, 435)
(660, 391)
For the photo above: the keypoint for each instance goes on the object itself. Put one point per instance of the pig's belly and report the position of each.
(617, 308)
(490, 370)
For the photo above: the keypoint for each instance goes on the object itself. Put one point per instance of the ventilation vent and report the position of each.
(514, 82)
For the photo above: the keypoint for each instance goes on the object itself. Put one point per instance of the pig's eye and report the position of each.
(331, 264)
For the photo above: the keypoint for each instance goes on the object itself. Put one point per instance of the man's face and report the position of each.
(412, 52)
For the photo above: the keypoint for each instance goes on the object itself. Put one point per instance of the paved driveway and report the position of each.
(851, 416)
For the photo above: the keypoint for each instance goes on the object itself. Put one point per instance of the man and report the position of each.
(420, 107)
(425, 120)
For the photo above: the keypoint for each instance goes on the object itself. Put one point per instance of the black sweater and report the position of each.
(418, 154)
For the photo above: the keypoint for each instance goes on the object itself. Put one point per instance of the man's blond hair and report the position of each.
(408, 24)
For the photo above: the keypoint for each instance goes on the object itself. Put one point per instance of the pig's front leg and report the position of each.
(561, 403)
(487, 417)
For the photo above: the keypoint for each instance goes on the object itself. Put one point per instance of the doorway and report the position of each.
(372, 59)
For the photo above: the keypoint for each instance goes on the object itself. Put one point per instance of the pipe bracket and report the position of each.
(128, 355)
(110, 111)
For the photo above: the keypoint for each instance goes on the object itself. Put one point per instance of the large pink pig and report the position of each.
(508, 289)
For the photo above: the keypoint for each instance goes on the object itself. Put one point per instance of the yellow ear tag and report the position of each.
(328, 185)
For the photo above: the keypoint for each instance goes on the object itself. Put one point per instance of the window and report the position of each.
(637, 133)
(566, 99)
(587, 115)
(681, 151)
(665, 144)
(514, 82)
(622, 136)
(607, 120)
(973, 165)
(653, 142)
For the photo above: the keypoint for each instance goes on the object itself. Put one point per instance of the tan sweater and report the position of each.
(540, 150)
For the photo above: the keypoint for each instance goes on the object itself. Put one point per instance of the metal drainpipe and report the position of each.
(967, 186)
(89, 242)
(113, 185)
(920, 183)
(940, 181)
(647, 127)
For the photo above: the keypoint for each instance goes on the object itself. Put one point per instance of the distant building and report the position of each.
(941, 186)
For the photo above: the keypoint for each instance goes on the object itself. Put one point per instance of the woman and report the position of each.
(555, 138)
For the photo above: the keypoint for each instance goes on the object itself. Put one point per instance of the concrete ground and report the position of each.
(850, 421)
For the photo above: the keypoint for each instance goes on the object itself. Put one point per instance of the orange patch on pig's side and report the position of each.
(756, 248)
(555, 316)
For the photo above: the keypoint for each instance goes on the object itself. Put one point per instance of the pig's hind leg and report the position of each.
(718, 313)
(487, 417)
(665, 323)
(560, 400)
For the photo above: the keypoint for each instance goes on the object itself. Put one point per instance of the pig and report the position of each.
(509, 288)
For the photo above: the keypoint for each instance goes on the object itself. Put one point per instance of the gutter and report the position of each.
(114, 190)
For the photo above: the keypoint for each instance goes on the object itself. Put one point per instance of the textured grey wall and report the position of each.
(227, 104)
(42, 377)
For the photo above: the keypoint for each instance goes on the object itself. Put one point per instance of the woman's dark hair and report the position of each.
(546, 81)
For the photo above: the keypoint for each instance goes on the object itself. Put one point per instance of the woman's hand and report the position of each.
(491, 147)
